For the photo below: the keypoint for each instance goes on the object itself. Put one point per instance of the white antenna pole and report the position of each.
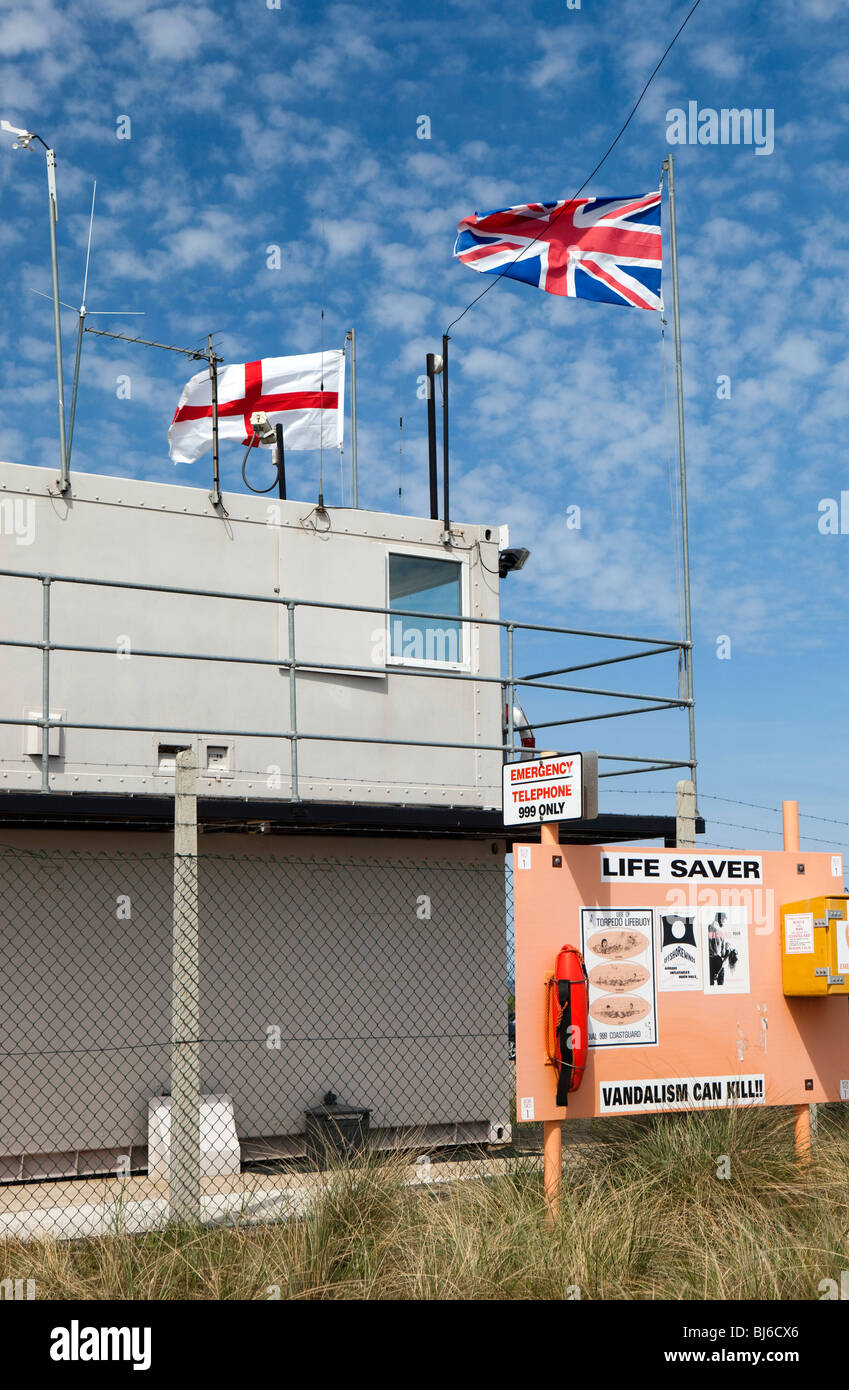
(64, 481)
(669, 165)
(24, 142)
(352, 338)
(80, 330)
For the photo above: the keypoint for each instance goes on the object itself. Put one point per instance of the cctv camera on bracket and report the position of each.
(262, 427)
(510, 560)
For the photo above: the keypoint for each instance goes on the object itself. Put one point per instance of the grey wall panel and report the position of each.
(84, 1001)
(400, 1013)
(156, 533)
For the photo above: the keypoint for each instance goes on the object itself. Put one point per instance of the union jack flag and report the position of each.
(607, 249)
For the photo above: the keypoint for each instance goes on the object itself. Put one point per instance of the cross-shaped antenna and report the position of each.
(81, 312)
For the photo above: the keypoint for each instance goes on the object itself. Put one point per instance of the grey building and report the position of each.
(339, 674)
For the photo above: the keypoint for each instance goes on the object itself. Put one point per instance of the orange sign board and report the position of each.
(684, 959)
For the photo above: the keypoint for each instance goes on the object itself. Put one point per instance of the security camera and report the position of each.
(509, 560)
(262, 428)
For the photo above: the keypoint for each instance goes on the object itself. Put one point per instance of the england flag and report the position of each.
(305, 394)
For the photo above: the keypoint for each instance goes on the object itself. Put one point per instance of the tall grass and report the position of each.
(644, 1216)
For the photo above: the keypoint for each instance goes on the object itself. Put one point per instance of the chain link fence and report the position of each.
(323, 1006)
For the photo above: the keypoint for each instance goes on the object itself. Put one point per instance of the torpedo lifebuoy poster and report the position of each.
(618, 949)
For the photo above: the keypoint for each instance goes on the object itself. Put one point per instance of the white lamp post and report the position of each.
(24, 140)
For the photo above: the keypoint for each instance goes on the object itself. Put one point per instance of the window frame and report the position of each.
(421, 553)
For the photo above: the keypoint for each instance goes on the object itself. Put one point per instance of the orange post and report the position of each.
(802, 1132)
(790, 818)
(552, 1147)
(549, 830)
(802, 1113)
(552, 1130)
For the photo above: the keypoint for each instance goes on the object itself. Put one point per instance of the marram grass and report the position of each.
(701, 1206)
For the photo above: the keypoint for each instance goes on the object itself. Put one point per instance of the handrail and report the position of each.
(292, 663)
(282, 661)
(46, 576)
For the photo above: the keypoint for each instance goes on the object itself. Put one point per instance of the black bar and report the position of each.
(117, 811)
(281, 463)
(431, 436)
(447, 525)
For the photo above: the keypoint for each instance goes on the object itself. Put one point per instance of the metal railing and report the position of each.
(509, 682)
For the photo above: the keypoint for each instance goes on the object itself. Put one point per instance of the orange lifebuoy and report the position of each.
(566, 1022)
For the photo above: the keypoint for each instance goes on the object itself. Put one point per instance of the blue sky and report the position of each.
(253, 127)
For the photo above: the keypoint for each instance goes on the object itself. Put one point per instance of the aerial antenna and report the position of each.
(400, 463)
(195, 354)
(81, 323)
(320, 507)
(81, 312)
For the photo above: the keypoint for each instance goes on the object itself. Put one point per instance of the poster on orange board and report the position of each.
(618, 947)
(685, 957)
(679, 949)
(725, 950)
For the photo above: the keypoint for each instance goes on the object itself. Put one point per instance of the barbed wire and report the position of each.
(731, 801)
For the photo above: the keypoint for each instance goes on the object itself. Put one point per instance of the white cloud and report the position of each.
(719, 58)
(800, 354)
(402, 309)
(177, 34)
(29, 30)
(432, 168)
(343, 236)
(561, 59)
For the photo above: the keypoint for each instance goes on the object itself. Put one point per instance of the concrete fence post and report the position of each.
(184, 1165)
(685, 815)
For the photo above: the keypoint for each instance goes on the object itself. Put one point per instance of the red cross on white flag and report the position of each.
(306, 394)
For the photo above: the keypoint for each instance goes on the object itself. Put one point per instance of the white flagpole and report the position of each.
(352, 339)
(668, 165)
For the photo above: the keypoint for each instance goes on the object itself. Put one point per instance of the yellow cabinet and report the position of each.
(815, 945)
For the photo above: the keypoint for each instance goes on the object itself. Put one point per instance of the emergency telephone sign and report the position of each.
(547, 788)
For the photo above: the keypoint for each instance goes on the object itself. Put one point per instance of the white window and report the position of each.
(422, 584)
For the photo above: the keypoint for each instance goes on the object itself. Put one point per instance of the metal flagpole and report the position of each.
(668, 165)
(64, 482)
(215, 495)
(431, 433)
(24, 142)
(352, 338)
(446, 535)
